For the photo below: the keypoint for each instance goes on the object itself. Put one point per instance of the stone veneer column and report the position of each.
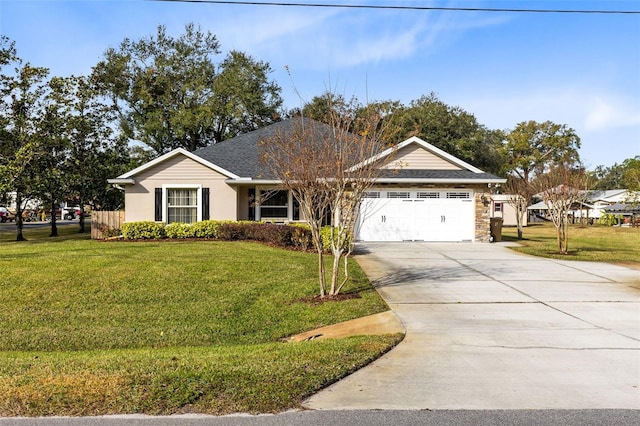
(483, 214)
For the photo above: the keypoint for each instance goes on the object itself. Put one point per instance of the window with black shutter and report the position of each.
(158, 205)
(205, 204)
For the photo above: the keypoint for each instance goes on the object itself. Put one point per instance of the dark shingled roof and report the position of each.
(240, 155)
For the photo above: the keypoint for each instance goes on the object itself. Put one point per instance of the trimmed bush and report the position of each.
(231, 231)
(179, 230)
(287, 236)
(325, 233)
(301, 237)
(145, 230)
(207, 228)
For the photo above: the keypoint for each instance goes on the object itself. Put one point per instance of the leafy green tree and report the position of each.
(631, 173)
(451, 129)
(532, 149)
(48, 181)
(619, 176)
(21, 95)
(170, 93)
(608, 177)
(95, 151)
(324, 107)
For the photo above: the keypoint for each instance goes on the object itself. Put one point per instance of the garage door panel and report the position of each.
(425, 219)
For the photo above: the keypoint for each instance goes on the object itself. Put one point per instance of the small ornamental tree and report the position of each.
(561, 189)
(518, 196)
(315, 161)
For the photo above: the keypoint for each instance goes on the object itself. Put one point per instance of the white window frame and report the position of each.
(258, 207)
(165, 206)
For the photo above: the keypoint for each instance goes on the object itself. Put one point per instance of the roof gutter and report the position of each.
(122, 181)
(378, 180)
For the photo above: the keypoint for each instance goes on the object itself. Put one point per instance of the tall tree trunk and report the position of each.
(335, 273)
(81, 219)
(19, 221)
(562, 237)
(321, 276)
(54, 226)
(565, 237)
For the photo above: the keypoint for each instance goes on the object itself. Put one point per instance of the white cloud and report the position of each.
(608, 123)
(339, 38)
(577, 107)
(604, 112)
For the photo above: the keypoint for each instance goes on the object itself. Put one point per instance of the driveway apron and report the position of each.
(488, 328)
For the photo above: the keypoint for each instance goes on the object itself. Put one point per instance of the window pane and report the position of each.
(274, 204)
(428, 194)
(182, 197)
(398, 194)
(274, 198)
(273, 212)
(182, 205)
(183, 214)
(458, 195)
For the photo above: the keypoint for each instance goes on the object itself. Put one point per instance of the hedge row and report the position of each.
(293, 236)
(298, 237)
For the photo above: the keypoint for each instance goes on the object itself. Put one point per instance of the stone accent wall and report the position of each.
(483, 215)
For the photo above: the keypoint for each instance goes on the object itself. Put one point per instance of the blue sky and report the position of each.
(576, 69)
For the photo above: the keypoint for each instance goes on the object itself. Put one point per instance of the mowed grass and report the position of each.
(588, 243)
(91, 328)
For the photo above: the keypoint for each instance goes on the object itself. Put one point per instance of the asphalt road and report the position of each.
(358, 418)
(11, 226)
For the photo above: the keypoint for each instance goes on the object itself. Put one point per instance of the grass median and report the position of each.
(92, 328)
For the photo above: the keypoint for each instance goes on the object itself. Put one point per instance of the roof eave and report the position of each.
(438, 180)
(121, 181)
(251, 181)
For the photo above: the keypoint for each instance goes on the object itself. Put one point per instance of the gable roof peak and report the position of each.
(429, 147)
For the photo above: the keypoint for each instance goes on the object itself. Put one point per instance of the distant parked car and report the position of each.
(6, 215)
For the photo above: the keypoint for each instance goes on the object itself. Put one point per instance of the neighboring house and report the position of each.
(596, 203)
(424, 194)
(502, 207)
(600, 200)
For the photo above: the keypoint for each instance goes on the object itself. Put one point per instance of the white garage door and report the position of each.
(417, 215)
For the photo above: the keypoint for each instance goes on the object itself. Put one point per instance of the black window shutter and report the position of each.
(158, 207)
(205, 204)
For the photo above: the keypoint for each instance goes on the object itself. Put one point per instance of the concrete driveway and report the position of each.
(488, 328)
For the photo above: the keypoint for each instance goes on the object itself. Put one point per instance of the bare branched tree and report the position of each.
(328, 170)
(518, 195)
(562, 188)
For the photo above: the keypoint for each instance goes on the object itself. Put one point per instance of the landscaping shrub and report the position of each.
(179, 230)
(207, 228)
(608, 219)
(287, 236)
(325, 233)
(231, 231)
(279, 235)
(109, 232)
(145, 230)
(301, 237)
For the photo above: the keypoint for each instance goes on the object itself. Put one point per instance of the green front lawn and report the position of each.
(163, 327)
(589, 243)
